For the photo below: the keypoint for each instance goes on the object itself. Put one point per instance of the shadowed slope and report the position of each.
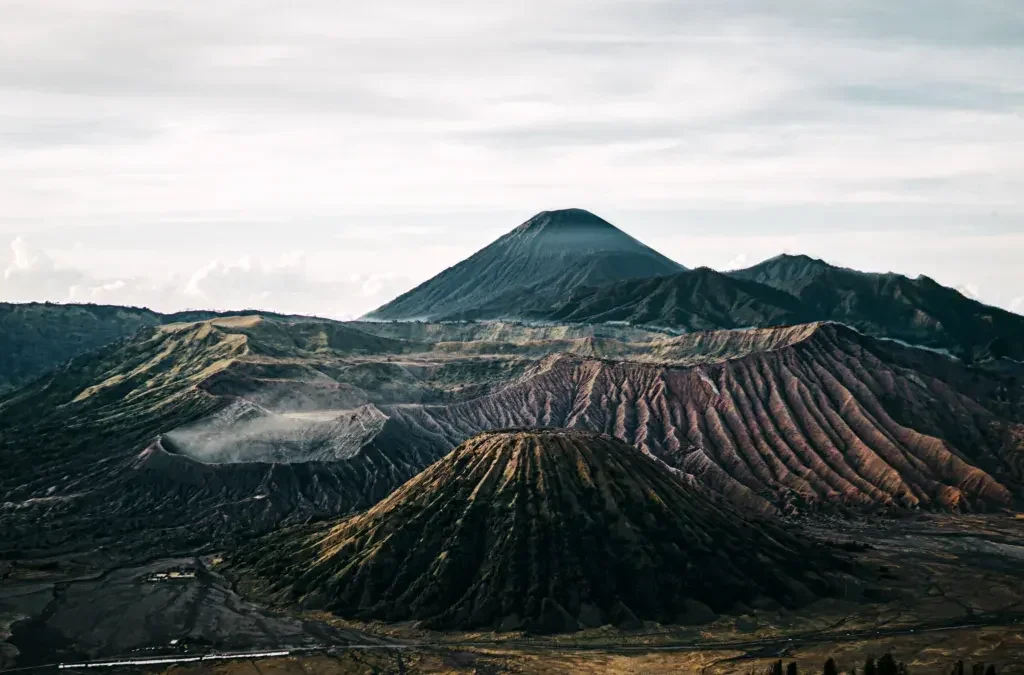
(795, 289)
(550, 254)
(920, 311)
(545, 529)
(696, 300)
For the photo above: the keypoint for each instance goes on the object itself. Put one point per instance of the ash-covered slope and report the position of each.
(544, 530)
(696, 300)
(809, 417)
(920, 311)
(548, 255)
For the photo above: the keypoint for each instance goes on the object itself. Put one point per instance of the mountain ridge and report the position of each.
(789, 290)
(555, 268)
(591, 286)
(917, 310)
(36, 337)
(817, 417)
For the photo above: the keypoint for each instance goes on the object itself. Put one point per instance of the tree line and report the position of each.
(887, 665)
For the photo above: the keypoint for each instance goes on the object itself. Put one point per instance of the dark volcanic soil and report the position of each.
(547, 530)
(122, 613)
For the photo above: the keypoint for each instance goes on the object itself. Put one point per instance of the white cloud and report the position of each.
(985, 267)
(282, 284)
(1017, 305)
(739, 262)
(25, 258)
(30, 274)
(339, 106)
(970, 290)
(286, 285)
(162, 136)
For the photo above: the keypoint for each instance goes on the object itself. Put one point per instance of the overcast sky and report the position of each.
(322, 156)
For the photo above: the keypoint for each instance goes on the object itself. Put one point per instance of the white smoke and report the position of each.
(245, 432)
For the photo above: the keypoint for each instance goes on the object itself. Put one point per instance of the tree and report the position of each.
(991, 670)
(777, 668)
(869, 667)
(830, 667)
(958, 668)
(887, 665)
(791, 668)
(978, 669)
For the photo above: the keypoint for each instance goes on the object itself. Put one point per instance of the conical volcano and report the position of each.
(547, 256)
(543, 530)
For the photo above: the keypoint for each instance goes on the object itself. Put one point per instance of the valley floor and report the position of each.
(949, 587)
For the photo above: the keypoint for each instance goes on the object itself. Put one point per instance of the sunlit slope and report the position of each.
(37, 337)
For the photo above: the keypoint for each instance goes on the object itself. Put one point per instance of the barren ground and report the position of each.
(953, 590)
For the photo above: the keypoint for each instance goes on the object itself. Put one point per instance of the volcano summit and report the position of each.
(545, 530)
(546, 257)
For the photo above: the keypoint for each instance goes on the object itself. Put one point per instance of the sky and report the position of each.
(323, 156)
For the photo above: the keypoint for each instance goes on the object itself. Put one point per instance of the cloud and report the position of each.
(970, 290)
(739, 262)
(983, 265)
(193, 132)
(1017, 305)
(30, 274)
(283, 284)
(374, 107)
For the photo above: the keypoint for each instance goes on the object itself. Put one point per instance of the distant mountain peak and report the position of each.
(798, 258)
(549, 255)
(788, 266)
(564, 218)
